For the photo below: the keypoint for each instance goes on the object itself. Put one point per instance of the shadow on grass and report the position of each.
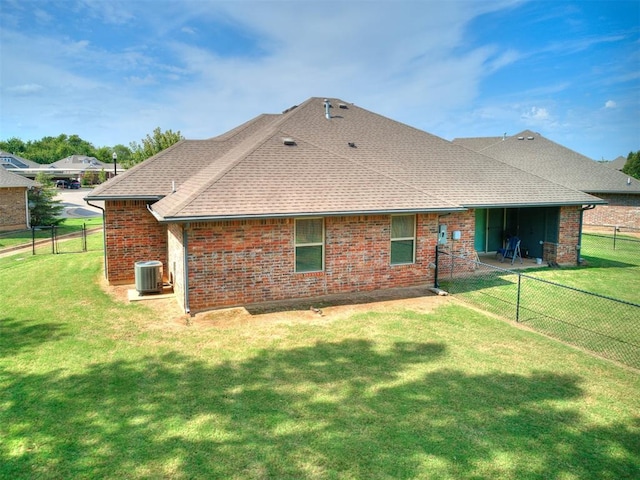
(18, 335)
(601, 262)
(332, 410)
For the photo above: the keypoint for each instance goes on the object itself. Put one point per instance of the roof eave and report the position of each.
(216, 218)
(154, 198)
(538, 204)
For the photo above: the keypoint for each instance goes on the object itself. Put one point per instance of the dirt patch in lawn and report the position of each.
(317, 310)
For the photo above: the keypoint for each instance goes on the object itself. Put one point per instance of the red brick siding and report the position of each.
(132, 235)
(242, 262)
(465, 223)
(622, 210)
(565, 251)
(13, 208)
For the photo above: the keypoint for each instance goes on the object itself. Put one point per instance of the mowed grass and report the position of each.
(553, 300)
(91, 387)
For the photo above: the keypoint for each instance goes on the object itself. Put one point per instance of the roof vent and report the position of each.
(343, 106)
(628, 181)
(352, 145)
(520, 138)
(327, 106)
(290, 108)
(529, 138)
(288, 141)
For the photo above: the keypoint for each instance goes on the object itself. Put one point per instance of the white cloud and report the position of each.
(610, 104)
(26, 89)
(536, 115)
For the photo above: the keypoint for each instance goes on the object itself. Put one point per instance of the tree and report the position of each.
(151, 145)
(43, 207)
(632, 167)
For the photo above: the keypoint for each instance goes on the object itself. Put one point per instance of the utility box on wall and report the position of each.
(442, 234)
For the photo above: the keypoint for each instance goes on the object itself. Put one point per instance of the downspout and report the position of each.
(104, 236)
(185, 248)
(26, 207)
(582, 210)
(435, 273)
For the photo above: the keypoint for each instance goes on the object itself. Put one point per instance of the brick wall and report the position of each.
(565, 251)
(243, 262)
(132, 235)
(622, 210)
(175, 261)
(13, 208)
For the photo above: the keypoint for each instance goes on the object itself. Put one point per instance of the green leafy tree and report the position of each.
(13, 145)
(151, 145)
(43, 208)
(632, 167)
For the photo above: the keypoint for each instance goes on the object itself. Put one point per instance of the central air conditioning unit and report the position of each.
(148, 275)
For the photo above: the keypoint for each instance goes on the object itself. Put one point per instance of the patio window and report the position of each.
(403, 239)
(309, 236)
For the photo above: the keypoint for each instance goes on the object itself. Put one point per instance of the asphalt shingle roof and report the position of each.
(533, 153)
(390, 166)
(10, 180)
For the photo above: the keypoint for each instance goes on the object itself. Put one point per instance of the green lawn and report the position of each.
(95, 388)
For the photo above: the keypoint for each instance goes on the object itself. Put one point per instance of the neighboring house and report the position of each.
(538, 155)
(617, 164)
(321, 200)
(10, 161)
(71, 167)
(81, 166)
(14, 202)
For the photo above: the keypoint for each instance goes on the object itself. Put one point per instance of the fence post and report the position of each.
(33, 240)
(53, 239)
(84, 237)
(518, 299)
(615, 230)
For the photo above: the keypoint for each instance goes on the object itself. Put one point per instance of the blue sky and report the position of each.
(113, 71)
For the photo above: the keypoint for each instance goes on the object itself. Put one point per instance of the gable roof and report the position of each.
(536, 154)
(82, 162)
(9, 160)
(356, 162)
(11, 180)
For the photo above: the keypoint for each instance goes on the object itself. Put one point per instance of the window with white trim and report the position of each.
(309, 243)
(403, 239)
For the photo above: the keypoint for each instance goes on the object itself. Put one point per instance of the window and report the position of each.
(309, 244)
(403, 239)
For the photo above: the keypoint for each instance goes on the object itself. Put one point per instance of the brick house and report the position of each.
(14, 203)
(536, 154)
(325, 198)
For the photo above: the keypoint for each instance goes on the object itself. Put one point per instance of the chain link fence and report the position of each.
(606, 245)
(606, 326)
(48, 239)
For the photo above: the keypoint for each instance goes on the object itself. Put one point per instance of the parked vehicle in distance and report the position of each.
(62, 184)
(74, 184)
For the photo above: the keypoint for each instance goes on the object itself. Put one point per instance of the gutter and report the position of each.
(215, 218)
(104, 235)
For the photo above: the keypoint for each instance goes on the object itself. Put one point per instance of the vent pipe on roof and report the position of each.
(173, 186)
(628, 181)
(327, 106)
(504, 136)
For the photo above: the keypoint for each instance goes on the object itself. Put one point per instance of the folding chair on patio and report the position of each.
(512, 250)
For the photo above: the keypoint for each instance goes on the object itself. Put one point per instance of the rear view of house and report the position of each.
(324, 198)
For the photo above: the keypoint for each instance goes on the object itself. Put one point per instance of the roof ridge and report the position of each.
(234, 156)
